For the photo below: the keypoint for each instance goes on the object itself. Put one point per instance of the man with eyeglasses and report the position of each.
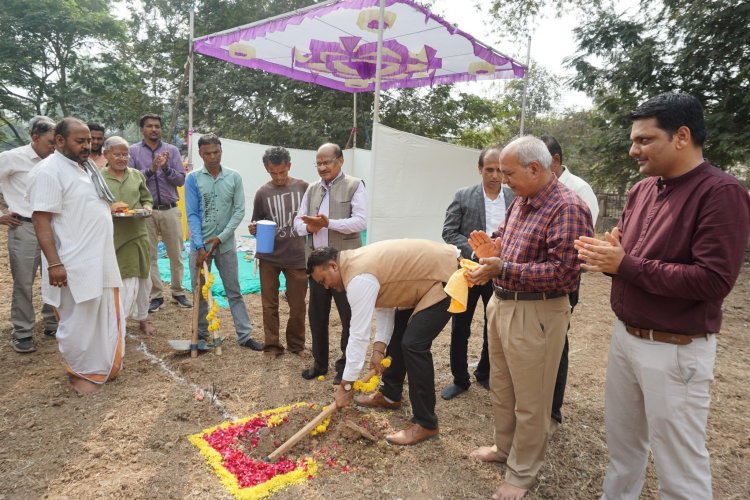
(23, 249)
(161, 163)
(333, 213)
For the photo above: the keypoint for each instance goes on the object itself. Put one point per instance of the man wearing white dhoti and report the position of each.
(73, 223)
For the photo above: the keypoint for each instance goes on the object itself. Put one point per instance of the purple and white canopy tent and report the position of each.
(338, 44)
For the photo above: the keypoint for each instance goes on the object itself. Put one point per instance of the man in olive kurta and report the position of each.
(128, 185)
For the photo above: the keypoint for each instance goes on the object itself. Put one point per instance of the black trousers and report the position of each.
(460, 333)
(562, 372)
(410, 352)
(318, 313)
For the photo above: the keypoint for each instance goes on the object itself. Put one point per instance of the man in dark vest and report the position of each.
(333, 213)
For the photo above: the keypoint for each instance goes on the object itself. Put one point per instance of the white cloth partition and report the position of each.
(413, 181)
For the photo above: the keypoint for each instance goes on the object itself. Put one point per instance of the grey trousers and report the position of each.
(168, 225)
(25, 260)
(226, 263)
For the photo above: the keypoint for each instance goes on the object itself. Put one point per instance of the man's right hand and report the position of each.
(10, 220)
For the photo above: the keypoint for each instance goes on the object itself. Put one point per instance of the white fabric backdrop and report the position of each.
(412, 183)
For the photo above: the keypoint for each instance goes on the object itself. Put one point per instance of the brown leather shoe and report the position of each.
(376, 400)
(412, 434)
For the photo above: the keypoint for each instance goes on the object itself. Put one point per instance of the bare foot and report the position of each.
(146, 327)
(507, 491)
(486, 454)
(83, 387)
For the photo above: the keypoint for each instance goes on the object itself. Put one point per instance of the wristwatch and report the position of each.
(348, 386)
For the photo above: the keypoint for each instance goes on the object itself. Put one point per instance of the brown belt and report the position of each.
(666, 337)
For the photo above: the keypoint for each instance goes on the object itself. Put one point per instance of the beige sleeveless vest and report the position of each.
(340, 207)
(411, 273)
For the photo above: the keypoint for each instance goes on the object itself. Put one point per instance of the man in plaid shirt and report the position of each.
(533, 264)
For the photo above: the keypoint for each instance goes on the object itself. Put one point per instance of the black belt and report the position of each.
(509, 295)
(21, 217)
(165, 207)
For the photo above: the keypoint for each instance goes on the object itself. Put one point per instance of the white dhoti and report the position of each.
(91, 335)
(134, 295)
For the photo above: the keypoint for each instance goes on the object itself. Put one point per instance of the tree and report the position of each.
(53, 52)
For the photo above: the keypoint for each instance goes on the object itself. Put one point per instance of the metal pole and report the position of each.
(379, 62)
(191, 96)
(354, 121)
(525, 85)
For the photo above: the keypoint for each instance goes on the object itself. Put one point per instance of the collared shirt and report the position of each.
(582, 189)
(684, 241)
(354, 224)
(538, 236)
(362, 293)
(14, 168)
(215, 207)
(82, 224)
(494, 211)
(164, 183)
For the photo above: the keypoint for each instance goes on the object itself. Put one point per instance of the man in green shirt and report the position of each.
(215, 206)
(128, 186)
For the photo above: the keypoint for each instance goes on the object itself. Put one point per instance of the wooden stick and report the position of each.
(292, 441)
(210, 301)
(196, 313)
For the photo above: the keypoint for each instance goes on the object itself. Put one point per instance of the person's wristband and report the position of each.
(57, 264)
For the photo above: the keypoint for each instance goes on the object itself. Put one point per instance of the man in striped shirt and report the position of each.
(533, 263)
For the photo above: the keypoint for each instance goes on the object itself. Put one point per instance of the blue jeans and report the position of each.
(226, 263)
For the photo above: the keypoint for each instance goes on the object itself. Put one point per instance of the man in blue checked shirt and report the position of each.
(215, 205)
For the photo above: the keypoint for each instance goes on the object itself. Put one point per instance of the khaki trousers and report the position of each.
(25, 259)
(168, 225)
(657, 398)
(525, 343)
(296, 289)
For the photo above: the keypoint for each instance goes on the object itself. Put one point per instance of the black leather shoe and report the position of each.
(313, 372)
(182, 301)
(485, 382)
(252, 344)
(452, 391)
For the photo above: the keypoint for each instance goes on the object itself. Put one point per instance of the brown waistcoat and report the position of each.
(411, 273)
(340, 207)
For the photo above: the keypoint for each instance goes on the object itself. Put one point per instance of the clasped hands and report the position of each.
(160, 161)
(203, 255)
(488, 250)
(315, 223)
(603, 256)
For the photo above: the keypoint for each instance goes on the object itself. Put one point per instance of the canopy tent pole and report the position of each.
(378, 63)
(525, 85)
(190, 91)
(354, 121)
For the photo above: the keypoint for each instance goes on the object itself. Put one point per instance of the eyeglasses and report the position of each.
(118, 156)
(325, 163)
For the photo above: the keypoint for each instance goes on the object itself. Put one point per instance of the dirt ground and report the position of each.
(130, 440)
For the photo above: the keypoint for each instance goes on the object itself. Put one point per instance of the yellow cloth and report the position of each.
(458, 285)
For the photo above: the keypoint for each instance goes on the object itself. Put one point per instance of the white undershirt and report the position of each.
(494, 211)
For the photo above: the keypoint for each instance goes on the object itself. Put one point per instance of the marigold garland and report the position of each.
(214, 323)
(243, 477)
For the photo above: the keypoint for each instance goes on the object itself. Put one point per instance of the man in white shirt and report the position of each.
(584, 191)
(23, 249)
(70, 205)
(401, 281)
(475, 208)
(333, 213)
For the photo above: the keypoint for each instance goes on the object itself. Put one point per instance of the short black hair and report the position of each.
(149, 116)
(42, 125)
(276, 156)
(553, 146)
(207, 139)
(63, 127)
(96, 126)
(486, 150)
(320, 256)
(673, 110)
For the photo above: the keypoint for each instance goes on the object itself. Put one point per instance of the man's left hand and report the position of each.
(603, 256)
(204, 253)
(489, 268)
(315, 223)
(343, 397)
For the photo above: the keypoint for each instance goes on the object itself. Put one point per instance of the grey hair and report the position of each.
(40, 125)
(115, 140)
(530, 148)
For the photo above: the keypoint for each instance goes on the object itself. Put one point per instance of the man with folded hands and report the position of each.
(534, 265)
(401, 281)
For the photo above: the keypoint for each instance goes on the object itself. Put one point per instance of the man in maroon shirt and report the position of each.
(674, 256)
(534, 266)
